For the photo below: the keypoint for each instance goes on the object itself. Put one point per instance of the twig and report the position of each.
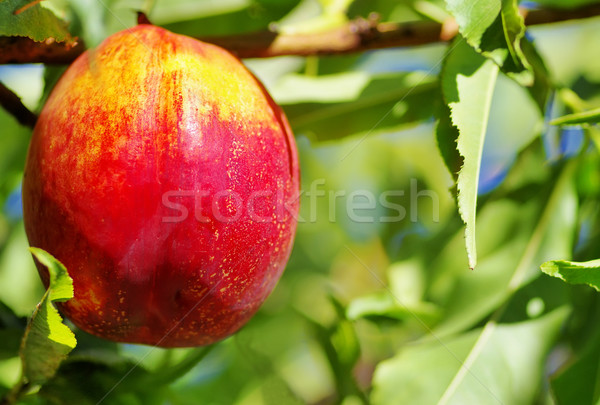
(356, 36)
(12, 103)
(25, 50)
(142, 18)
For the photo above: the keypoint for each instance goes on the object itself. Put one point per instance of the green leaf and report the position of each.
(474, 18)
(539, 90)
(523, 63)
(566, 4)
(35, 22)
(10, 339)
(345, 343)
(199, 18)
(579, 382)
(344, 339)
(513, 62)
(507, 369)
(170, 374)
(26, 289)
(11, 331)
(366, 105)
(274, 388)
(532, 228)
(342, 348)
(446, 136)
(295, 88)
(551, 233)
(308, 18)
(468, 81)
(61, 284)
(468, 297)
(47, 341)
(496, 29)
(13, 147)
(575, 272)
(89, 381)
(505, 138)
(383, 304)
(335, 6)
(586, 117)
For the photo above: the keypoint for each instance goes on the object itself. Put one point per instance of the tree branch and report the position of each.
(25, 50)
(356, 36)
(13, 105)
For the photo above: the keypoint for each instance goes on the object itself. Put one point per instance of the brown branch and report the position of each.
(356, 36)
(360, 35)
(553, 15)
(13, 105)
(25, 50)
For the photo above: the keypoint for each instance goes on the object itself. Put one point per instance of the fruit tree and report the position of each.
(299, 202)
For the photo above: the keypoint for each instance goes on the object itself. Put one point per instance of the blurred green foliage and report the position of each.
(375, 311)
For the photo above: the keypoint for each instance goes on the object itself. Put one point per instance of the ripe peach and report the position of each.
(165, 178)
